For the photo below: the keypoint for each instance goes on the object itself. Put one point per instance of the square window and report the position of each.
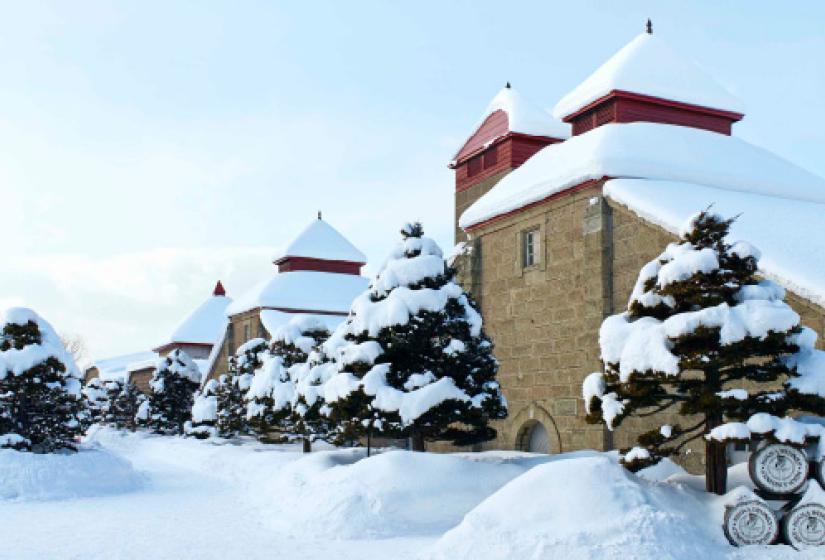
(530, 248)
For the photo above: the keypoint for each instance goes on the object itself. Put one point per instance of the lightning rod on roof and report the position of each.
(649, 28)
(319, 214)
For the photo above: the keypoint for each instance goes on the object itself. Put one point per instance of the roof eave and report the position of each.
(732, 115)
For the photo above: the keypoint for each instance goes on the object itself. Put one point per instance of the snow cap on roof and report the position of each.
(305, 290)
(525, 117)
(205, 324)
(647, 151)
(647, 65)
(320, 240)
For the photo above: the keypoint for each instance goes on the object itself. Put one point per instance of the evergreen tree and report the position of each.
(703, 337)
(173, 386)
(416, 361)
(232, 388)
(97, 402)
(269, 400)
(41, 404)
(125, 400)
(299, 342)
(204, 412)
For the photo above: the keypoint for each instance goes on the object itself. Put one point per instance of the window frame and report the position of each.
(530, 247)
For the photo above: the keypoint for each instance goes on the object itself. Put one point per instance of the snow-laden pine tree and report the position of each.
(269, 398)
(232, 389)
(172, 392)
(299, 341)
(705, 338)
(41, 404)
(124, 401)
(97, 403)
(204, 412)
(416, 360)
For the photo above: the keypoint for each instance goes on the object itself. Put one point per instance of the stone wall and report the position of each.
(242, 328)
(463, 199)
(544, 320)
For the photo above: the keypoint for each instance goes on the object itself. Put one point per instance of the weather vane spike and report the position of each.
(649, 27)
(319, 214)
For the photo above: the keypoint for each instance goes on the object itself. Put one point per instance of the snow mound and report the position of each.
(584, 508)
(387, 495)
(90, 472)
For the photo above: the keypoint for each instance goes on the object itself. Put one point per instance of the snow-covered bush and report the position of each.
(416, 361)
(125, 400)
(276, 408)
(172, 391)
(41, 405)
(204, 412)
(703, 336)
(112, 402)
(301, 340)
(269, 400)
(97, 401)
(232, 388)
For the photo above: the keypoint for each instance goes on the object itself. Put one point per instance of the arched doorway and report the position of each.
(534, 437)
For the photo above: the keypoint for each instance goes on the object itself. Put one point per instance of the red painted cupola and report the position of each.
(321, 248)
(648, 81)
(510, 131)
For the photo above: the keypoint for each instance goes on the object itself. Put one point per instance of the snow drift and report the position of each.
(89, 472)
(391, 494)
(590, 507)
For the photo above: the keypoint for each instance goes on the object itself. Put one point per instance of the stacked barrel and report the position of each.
(789, 502)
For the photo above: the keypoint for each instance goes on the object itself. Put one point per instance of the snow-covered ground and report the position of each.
(185, 498)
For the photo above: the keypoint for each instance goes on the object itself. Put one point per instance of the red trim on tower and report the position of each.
(658, 101)
(514, 135)
(219, 289)
(554, 196)
(291, 264)
(624, 107)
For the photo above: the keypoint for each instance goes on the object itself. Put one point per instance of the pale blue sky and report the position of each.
(147, 148)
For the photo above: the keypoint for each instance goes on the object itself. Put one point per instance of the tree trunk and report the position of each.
(716, 464)
(369, 440)
(307, 445)
(417, 440)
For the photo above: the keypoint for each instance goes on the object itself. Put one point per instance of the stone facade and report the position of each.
(544, 319)
(242, 328)
(464, 198)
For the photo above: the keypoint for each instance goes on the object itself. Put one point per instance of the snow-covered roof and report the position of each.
(139, 365)
(204, 325)
(525, 117)
(790, 233)
(319, 240)
(118, 367)
(273, 319)
(650, 151)
(304, 290)
(647, 65)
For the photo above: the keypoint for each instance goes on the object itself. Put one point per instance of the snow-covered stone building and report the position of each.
(561, 213)
(318, 274)
(196, 335)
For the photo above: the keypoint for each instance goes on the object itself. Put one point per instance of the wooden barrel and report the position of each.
(750, 522)
(779, 469)
(804, 526)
